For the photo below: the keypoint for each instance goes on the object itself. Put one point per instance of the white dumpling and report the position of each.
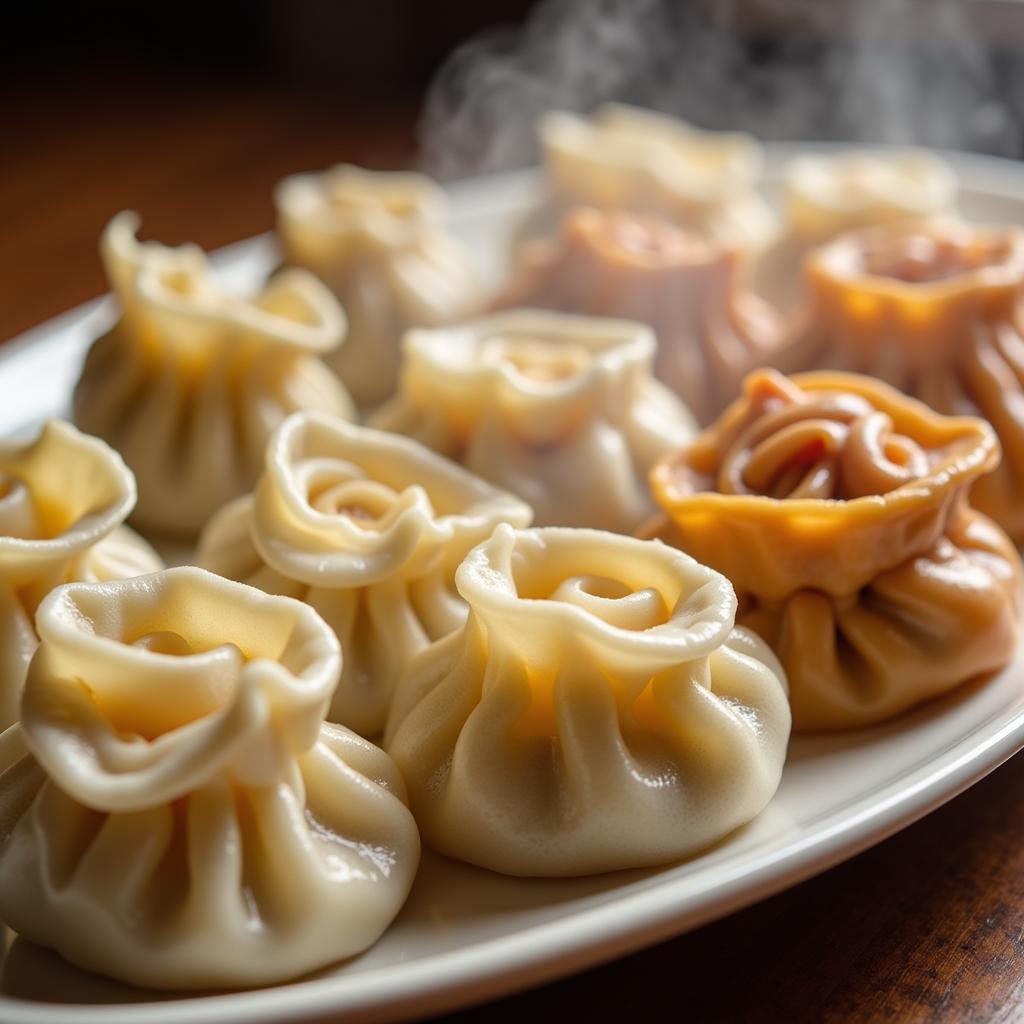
(377, 240)
(63, 498)
(632, 159)
(598, 711)
(176, 814)
(192, 379)
(368, 528)
(562, 410)
(827, 194)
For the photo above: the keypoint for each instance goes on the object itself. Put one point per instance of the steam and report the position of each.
(890, 71)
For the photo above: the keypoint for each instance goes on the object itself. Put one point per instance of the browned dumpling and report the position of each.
(711, 332)
(934, 309)
(838, 508)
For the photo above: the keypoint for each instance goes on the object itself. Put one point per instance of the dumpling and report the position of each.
(935, 310)
(838, 508)
(826, 194)
(377, 240)
(367, 528)
(597, 711)
(63, 498)
(191, 381)
(711, 331)
(176, 814)
(633, 159)
(560, 410)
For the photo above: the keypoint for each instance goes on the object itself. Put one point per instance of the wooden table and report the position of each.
(928, 925)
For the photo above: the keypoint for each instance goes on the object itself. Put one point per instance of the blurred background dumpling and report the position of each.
(192, 379)
(378, 241)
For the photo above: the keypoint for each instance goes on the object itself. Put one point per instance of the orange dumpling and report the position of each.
(710, 331)
(935, 310)
(838, 508)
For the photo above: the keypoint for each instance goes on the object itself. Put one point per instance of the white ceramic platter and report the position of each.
(467, 935)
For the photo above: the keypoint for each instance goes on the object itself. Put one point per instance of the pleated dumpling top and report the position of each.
(176, 813)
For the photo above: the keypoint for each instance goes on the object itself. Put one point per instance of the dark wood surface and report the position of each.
(927, 926)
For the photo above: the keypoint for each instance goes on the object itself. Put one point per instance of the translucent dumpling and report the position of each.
(561, 410)
(63, 498)
(597, 711)
(176, 813)
(377, 240)
(192, 379)
(368, 528)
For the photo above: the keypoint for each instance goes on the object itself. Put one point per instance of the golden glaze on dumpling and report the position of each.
(838, 508)
(935, 310)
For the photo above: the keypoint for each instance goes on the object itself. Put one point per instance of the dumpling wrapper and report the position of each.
(368, 528)
(838, 508)
(598, 710)
(561, 410)
(63, 499)
(191, 381)
(377, 240)
(176, 813)
(935, 309)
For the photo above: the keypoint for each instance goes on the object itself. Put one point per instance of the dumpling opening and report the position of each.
(62, 483)
(165, 650)
(365, 502)
(29, 515)
(922, 258)
(539, 360)
(826, 445)
(861, 176)
(613, 601)
(180, 282)
(647, 239)
(18, 514)
(345, 199)
(171, 643)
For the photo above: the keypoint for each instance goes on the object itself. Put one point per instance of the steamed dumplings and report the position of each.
(560, 410)
(367, 528)
(191, 381)
(63, 498)
(934, 310)
(176, 813)
(597, 711)
(377, 240)
(644, 162)
(838, 508)
(711, 331)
